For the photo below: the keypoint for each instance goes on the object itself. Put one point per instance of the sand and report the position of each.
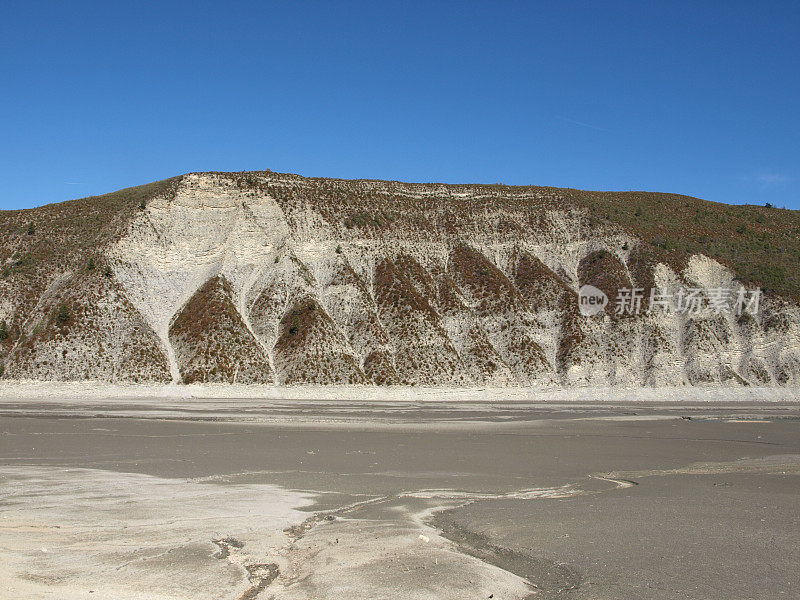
(286, 498)
(90, 392)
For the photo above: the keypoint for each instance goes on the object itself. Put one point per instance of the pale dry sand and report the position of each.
(92, 392)
(91, 533)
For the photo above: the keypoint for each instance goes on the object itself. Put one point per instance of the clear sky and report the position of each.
(699, 98)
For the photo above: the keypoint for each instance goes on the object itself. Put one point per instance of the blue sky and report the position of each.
(695, 98)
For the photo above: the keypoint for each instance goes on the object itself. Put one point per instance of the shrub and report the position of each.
(31, 229)
(338, 249)
(64, 315)
(3, 331)
(107, 272)
(91, 265)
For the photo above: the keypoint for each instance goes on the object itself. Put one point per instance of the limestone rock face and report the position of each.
(90, 331)
(272, 278)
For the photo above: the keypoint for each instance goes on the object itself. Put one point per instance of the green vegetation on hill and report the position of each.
(761, 244)
(38, 242)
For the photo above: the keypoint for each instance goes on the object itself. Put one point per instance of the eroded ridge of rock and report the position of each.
(274, 278)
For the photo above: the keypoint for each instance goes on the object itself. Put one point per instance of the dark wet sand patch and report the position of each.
(549, 579)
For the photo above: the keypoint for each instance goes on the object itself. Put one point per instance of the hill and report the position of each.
(275, 278)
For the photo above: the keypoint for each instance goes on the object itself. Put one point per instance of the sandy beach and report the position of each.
(203, 497)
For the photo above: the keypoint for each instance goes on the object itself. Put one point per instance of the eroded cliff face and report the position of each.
(268, 278)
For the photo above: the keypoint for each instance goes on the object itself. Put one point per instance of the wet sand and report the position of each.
(399, 499)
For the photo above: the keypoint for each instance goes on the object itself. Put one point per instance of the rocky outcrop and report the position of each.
(85, 328)
(270, 278)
